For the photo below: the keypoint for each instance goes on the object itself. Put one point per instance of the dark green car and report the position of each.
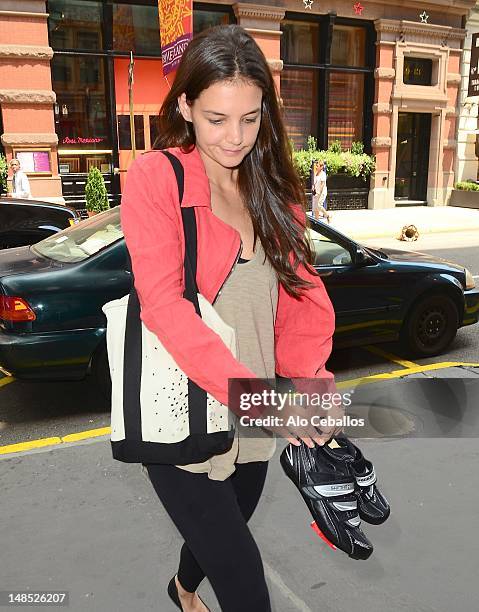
(51, 297)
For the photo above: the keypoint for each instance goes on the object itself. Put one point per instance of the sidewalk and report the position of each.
(387, 223)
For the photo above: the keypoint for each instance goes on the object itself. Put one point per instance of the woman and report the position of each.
(320, 191)
(221, 119)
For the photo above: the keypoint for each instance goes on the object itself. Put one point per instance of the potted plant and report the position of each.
(465, 194)
(3, 174)
(95, 193)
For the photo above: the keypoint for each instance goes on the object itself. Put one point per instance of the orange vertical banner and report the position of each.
(176, 30)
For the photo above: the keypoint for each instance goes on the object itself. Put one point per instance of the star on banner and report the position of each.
(308, 4)
(358, 8)
(424, 17)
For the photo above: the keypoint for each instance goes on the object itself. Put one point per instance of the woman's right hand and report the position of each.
(291, 428)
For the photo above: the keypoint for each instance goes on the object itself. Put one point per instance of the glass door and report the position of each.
(412, 156)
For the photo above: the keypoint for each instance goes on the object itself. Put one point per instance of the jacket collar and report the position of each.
(196, 187)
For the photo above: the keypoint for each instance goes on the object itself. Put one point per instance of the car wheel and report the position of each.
(430, 326)
(100, 371)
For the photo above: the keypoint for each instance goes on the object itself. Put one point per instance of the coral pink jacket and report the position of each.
(152, 225)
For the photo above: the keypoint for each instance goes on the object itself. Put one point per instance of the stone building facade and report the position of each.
(384, 74)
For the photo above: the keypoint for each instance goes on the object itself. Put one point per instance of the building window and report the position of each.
(124, 133)
(206, 16)
(299, 94)
(417, 71)
(346, 104)
(348, 46)
(300, 42)
(75, 24)
(81, 116)
(136, 28)
(154, 129)
(327, 81)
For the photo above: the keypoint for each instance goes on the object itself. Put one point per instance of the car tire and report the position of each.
(100, 371)
(430, 326)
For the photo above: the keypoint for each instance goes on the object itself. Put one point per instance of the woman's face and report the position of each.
(226, 118)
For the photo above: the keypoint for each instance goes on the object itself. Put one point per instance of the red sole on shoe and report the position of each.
(321, 535)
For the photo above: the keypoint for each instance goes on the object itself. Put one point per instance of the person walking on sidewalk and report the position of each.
(222, 120)
(20, 182)
(320, 191)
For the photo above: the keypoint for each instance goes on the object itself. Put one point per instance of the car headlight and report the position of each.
(470, 283)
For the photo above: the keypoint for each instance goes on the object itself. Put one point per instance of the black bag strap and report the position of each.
(197, 397)
(189, 229)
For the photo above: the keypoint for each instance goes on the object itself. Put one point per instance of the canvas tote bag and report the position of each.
(158, 414)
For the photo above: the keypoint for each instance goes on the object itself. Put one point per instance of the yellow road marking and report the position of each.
(365, 324)
(102, 431)
(403, 372)
(6, 381)
(84, 435)
(394, 358)
(22, 446)
(41, 442)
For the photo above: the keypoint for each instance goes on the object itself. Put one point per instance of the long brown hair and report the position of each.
(267, 180)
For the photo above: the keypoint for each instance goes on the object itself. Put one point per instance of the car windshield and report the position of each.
(83, 240)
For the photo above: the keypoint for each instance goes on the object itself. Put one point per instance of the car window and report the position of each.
(327, 252)
(83, 240)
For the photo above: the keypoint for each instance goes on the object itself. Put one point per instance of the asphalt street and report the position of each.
(73, 519)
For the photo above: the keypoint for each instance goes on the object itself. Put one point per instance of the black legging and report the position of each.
(211, 516)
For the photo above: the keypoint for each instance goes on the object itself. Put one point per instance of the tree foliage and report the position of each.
(95, 192)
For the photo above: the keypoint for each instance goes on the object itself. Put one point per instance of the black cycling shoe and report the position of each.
(373, 507)
(327, 486)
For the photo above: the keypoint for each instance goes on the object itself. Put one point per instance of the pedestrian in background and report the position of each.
(320, 191)
(20, 182)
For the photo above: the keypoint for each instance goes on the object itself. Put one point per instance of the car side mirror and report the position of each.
(361, 258)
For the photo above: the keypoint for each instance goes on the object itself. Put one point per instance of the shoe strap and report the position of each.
(367, 479)
(335, 489)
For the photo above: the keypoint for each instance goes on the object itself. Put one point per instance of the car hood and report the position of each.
(415, 256)
(23, 260)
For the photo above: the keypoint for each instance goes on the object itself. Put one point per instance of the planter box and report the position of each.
(345, 181)
(346, 192)
(464, 199)
(347, 199)
(344, 199)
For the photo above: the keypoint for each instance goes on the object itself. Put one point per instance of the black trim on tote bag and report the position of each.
(199, 445)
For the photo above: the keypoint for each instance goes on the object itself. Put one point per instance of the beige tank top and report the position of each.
(247, 302)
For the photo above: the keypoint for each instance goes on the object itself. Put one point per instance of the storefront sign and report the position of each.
(80, 140)
(34, 161)
(474, 67)
(176, 30)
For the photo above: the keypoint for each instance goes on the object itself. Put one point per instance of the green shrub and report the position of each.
(357, 148)
(347, 162)
(3, 174)
(95, 192)
(467, 186)
(335, 147)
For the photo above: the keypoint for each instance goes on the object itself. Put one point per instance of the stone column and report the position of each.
(382, 183)
(466, 161)
(26, 95)
(263, 23)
